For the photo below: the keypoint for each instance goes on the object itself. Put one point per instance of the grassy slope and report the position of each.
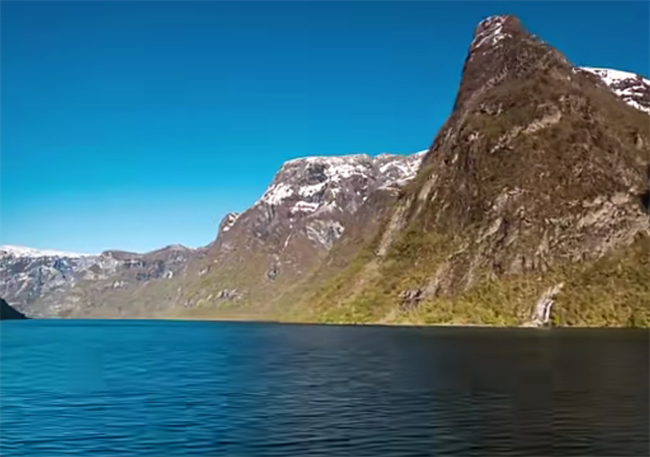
(611, 291)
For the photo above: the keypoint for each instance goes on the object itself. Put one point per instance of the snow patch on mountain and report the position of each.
(304, 207)
(228, 221)
(634, 89)
(308, 191)
(40, 282)
(276, 193)
(489, 31)
(324, 232)
(610, 76)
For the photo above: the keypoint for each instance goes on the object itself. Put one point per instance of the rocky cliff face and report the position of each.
(310, 199)
(311, 202)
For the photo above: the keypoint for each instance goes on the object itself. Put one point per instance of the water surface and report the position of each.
(166, 389)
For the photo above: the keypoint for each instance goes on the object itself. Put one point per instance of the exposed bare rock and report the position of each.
(409, 299)
(543, 308)
(227, 222)
(228, 294)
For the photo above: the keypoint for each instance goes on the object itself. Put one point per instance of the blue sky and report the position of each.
(134, 125)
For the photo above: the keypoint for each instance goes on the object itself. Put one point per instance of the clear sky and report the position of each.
(134, 125)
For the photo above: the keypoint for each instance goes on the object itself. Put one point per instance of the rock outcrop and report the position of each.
(8, 312)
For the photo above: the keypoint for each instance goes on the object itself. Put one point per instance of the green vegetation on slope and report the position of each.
(611, 291)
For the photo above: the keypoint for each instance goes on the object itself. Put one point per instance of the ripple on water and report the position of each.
(148, 388)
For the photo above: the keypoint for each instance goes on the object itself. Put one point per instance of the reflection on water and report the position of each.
(152, 388)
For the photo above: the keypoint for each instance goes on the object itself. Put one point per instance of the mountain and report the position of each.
(286, 234)
(29, 275)
(530, 193)
(7, 312)
(530, 206)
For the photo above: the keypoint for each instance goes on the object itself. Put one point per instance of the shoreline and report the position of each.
(250, 319)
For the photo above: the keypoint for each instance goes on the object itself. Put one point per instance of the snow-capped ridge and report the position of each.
(24, 251)
(632, 88)
(8, 250)
(321, 193)
(330, 159)
(611, 76)
(348, 157)
(306, 178)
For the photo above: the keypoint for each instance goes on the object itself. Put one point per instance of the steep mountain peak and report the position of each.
(539, 171)
(309, 204)
(493, 29)
(503, 50)
(535, 149)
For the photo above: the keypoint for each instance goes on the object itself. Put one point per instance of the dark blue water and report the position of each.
(165, 389)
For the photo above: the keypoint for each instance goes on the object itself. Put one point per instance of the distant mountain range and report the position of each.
(530, 191)
(51, 283)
